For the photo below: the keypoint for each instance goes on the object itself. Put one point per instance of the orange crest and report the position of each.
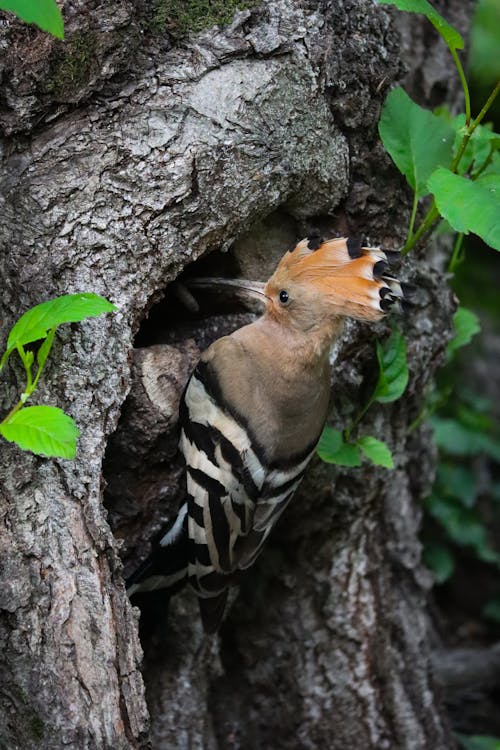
(353, 280)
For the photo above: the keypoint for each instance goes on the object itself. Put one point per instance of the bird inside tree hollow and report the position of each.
(253, 411)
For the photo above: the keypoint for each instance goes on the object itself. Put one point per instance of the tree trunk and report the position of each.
(125, 158)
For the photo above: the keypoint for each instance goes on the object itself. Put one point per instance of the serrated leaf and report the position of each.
(44, 13)
(440, 561)
(333, 450)
(469, 206)
(376, 450)
(449, 34)
(393, 369)
(70, 308)
(417, 140)
(466, 324)
(44, 430)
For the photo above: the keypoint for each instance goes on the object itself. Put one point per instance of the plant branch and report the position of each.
(357, 419)
(464, 83)
(489, 101)
(430, 217)
(473, 126)
(13, 411)
(413, 215)
(456, 255)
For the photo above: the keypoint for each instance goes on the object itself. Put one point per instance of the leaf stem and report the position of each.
(464, 83)
(30, 383)
(489, 101)
(13, 411)
(413, 215)
(357, 419)
(430, 217)
(472, 126)
(456, 255)
(25, 358)
(48, 346)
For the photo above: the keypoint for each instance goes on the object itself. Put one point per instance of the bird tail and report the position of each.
(355, 280)
(167, 567)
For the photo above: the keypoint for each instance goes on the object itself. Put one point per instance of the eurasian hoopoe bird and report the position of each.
(253, 412)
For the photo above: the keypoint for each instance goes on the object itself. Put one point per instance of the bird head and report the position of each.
(320, 281)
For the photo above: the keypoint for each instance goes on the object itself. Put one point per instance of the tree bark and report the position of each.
(124, 159)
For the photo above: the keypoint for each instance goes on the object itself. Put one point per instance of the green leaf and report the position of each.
(70, 308)
(458, 440)
(377, 451)
(464, 526)
(393, 375)
(469, 206)
(491, 610)
(485, 144)
(466, 324)
(478, 742)
(439, 559)
(417, 140)
(333, 450)
(484, 60)
(457, 482)
(449, 34)
(44, 13)
(44, 430)
(494, 166)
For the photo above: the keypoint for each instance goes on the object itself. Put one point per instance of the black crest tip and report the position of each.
(393, 256)
(354, 245)
(380, 267)
(408, 290)
(314, 241)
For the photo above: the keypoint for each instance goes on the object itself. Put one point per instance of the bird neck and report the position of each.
(310, 347)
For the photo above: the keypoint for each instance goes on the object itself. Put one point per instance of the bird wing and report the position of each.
(278, 489)
(224, 480)
(235, 496)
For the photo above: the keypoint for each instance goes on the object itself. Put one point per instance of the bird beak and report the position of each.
(252, 289)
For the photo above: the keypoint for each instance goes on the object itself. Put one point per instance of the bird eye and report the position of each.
(283, 296)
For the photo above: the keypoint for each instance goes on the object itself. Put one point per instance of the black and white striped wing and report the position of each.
(234, 496)
(224, 480)
(277, 491)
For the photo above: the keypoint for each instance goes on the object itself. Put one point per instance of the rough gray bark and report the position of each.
(155, 157)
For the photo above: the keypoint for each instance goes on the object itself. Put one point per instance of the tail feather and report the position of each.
(167, 567)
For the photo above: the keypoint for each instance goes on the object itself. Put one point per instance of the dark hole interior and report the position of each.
(171, 320)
